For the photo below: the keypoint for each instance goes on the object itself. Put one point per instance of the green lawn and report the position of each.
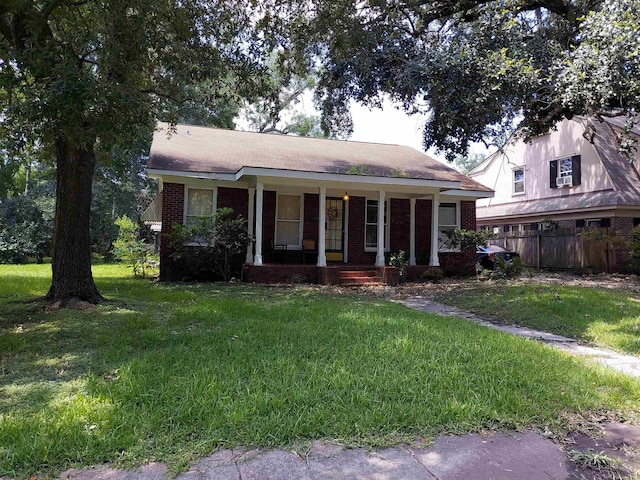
(172, 372)
(602, 317)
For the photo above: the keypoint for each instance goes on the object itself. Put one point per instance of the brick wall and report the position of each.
(172, 212)
(275, 273)
(311, 213)
(357, 255)
(423, 231)
(400, 224)
(468, 215)
(462, 263)
(458, 263)
(268, 217)
(623, 227)
(235, 198)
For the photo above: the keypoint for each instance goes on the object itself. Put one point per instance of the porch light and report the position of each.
(345, 197)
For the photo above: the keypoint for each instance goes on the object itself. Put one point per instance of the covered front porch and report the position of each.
(354, 222)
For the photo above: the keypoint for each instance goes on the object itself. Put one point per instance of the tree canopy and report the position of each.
(90, 78)
(86, 79)
(480, 69)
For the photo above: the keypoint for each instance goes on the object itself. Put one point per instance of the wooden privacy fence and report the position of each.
(563, 249)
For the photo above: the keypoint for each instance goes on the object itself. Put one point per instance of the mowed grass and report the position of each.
(172, 372)
(602, 317)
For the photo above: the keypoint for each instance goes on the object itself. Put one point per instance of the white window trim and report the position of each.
(214, 203)
(300, 221)
(457, 204)
(387, 230)
(592, 220)
(513, 181)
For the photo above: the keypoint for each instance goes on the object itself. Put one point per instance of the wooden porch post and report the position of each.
(322, 256)
(257, 261)
(381, 210)
(250, 220)
(434, 260)
(412, 231)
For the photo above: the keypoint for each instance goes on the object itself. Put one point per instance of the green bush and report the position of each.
(400, 261)
(432, 274)
(128, 248)
(506, 268)
(209, 244)
(461, 239)
(634, 251)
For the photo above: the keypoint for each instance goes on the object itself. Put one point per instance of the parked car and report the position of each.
(486, 256)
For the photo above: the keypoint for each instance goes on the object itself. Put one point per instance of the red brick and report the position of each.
(400, 224)
(172, 213)
(236, 199)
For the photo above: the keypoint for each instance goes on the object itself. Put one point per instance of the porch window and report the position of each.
(200, 203)
(371, 225)
(447, 222)
(518, 181)
(288, 220)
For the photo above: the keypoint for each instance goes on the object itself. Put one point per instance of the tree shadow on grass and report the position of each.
(176, 371)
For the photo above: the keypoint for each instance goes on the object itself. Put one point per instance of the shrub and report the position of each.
(461, 239)
(400, 261)
(506, 268)
(128, 248)
(634, 250)
(209, 244)
(432, 274)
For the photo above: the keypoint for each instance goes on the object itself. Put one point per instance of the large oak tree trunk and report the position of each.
(71, 263)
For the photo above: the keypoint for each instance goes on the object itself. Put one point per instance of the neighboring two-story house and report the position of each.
(574, 175)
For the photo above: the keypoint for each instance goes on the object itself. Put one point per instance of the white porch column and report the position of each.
(381, 209)
(257, 261)
(322, 220)
(434, 261)
(412, 231)
(250, 214)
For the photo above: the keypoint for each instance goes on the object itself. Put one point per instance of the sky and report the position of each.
(387, 125)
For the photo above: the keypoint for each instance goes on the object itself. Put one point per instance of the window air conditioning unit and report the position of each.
(564, 181)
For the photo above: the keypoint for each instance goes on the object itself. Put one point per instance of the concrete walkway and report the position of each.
(515, 456)
(624, 363)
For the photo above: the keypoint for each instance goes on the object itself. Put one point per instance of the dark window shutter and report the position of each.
(579, 223)
(605, 222)
(506, 228)
(576, 171)
(553, 173)
(534, 226)
(636, 222)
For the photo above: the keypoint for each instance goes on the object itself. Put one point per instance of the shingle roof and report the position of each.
(214, 150)
(621, 171)
(584, 201)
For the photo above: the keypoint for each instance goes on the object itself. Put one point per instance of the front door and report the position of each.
(334, 231)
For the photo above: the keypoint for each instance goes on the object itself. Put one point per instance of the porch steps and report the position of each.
(353, 278)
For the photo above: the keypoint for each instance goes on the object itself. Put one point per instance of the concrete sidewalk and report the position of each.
(516, 456)
(513, 456)
(627, 364)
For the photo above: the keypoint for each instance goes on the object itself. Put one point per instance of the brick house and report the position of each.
(313, 205)
(574, 176)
